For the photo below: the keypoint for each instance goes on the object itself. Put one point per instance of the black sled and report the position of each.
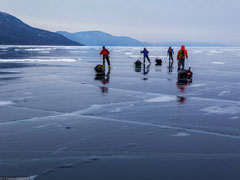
(138, 64)
(185, 74)
(158, 62)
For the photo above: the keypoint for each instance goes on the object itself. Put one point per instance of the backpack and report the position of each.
(170, 51)
(181, 54)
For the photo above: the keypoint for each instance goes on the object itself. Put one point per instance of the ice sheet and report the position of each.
(57, 115)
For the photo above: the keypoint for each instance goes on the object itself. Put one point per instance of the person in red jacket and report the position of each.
(105, 54)
(182, 54)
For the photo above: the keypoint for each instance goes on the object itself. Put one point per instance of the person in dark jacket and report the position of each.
(105, 54)
(170, 54)
(145, 55)
(182, 54)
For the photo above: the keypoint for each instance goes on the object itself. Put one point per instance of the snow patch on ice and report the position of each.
(4, 46)
(44, 52)
(196, 52)
(93, 108)
(214, 51)
(33, 177)
(27, 93)
(222, 110)
(220, 63)
(121, 109)
(116, 110)
(224, 92)
(198, 85)
(135, 56)
(38, 49)
(42, 126)
(104, 108)
(161, 99)
(39, 60)
(234, 117)
(138, 56)
(6, 103)
(14, 72)
(181, 134)
(157, 56)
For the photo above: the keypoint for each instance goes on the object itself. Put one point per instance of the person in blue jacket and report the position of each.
(145, 55)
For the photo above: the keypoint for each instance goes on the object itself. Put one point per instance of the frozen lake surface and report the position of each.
(59, 121)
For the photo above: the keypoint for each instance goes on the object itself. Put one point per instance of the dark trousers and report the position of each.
(171, 60)
(181, 62)
(107, 58)
(147, 59)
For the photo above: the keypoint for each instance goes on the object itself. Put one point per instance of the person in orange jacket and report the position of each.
(105, 54)
(182, 54)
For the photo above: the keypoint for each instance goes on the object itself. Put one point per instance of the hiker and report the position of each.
(182, 54)
(105, 54)
(145, 55)
(170, 54)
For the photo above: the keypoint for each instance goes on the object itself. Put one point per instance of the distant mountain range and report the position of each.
(14, 32)
(99, 38)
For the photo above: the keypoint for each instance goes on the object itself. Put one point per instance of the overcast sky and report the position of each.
(214, 21)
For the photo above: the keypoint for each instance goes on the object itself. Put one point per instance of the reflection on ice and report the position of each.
(181, 99)
(182, 84)
(104, 79)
